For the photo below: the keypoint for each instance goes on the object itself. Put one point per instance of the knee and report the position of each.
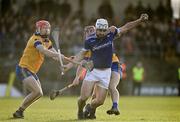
(82, 98)
(112, 88)
(39, 93)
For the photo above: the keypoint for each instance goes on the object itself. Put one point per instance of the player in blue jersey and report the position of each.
(116, 75)
(101, 46)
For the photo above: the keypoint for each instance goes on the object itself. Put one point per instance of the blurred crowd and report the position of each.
(155, 43)
(159, 37)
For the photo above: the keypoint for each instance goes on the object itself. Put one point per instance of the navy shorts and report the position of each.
(23, 73)
(116, 67)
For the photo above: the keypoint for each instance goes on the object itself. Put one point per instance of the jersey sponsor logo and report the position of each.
(93, 40)
(101, 46)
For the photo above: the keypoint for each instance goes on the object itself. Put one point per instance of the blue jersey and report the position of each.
(102, 49)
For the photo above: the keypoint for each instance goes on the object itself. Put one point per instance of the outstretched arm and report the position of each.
(64, 57)
(78, 75)
(130, 25)
(56, 58)
(88, 30)
(77, 58)
(47, 52)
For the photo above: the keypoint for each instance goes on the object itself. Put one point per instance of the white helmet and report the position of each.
(101, 24)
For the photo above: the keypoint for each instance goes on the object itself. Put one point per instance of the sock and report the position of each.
(115, 105)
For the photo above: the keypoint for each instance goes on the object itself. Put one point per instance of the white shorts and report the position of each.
(101, 76)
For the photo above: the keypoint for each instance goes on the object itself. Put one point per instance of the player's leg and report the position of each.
(100, 91)
(115, 78)
(100, 97)
(86, 90)
(38, 90)
(101, 87)
(139, 88)
(35, 93)
(95, 102)
(93, 96)
(133, 88)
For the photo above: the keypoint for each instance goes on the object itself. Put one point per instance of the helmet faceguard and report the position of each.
(102, 24)
(101, 28)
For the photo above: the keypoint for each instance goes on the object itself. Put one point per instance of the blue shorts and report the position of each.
(116, 67)
(23, 73)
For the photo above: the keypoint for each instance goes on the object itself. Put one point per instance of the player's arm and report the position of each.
(77, 58)
(54, 50)
(63, 57)
(130, 25)
(88, 30)
(78, 74)
(69, 65)
(80, 70)
(80, 56)
(38, 45)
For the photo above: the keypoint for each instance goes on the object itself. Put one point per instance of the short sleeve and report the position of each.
(87, 55)
(114, 31)
(36, 43)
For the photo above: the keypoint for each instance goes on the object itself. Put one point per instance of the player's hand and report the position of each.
(67, 66)
(62, 56)
(56, 58)
(88, 30)
(66, 58)
(76, 81)
(144, 17)
(88, 65)
(71, 57)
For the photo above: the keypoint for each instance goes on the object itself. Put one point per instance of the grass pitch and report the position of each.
(63, 109)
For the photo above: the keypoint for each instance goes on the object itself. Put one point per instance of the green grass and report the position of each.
(63, 109)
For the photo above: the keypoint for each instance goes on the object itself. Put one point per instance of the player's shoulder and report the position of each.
(113, 29)
(92, 37)
(35, 37)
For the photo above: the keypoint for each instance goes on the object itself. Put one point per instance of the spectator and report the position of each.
(138, 77)
(161, 11)
(65, 9)
(129, 12)
(139, 8)
(105, 10)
